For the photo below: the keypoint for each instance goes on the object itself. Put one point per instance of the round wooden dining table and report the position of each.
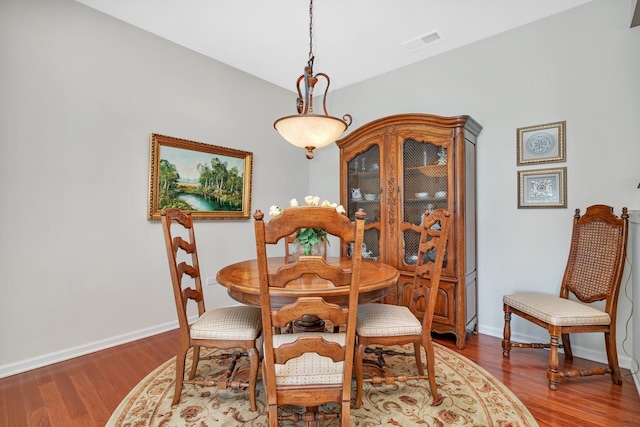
(241, 280)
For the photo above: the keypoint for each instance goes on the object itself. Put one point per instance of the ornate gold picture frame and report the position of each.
(542, 188)
(541, 143)
(212, 182)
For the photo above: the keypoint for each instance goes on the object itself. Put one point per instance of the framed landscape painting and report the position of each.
(211, 182)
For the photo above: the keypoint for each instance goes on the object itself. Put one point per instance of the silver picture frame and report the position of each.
(541, 144)
(542, 188)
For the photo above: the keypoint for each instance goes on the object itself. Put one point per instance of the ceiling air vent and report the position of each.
(421, 41)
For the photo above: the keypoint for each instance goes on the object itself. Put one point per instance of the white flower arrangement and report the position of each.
(275, 210)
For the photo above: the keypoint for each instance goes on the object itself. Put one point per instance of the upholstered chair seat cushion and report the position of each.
(376, 320)
(555, 310)
(310, 368)
(228, 323)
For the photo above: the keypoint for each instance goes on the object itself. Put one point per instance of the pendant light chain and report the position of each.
(311, 29)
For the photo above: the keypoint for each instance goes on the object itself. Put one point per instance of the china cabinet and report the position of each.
(397, 168)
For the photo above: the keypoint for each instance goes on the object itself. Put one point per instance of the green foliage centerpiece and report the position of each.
(308, 237)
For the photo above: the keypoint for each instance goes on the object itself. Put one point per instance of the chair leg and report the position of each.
(506, 341)
(566, 345)
(254, 362)
(180, 361)
(416, 352)
(431, 371)
(272, 415)
(345, 414)
(612, 357)
(194, 363)
(552, 373)
(358, 356)
(270, 399)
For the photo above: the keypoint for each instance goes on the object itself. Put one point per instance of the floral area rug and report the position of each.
(472, 397)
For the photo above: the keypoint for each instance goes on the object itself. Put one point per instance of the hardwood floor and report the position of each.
(84, 391)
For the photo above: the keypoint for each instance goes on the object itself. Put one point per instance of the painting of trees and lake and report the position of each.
(210, 181)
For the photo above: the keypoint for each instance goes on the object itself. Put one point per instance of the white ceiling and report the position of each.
(353, 40)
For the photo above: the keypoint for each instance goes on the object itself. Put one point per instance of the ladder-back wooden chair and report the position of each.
(389, 325)
(308, 369)
(224, 328)
(593, 273)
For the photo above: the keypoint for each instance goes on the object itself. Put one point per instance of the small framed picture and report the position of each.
(210, 181)
(542, 188)
(541, 144)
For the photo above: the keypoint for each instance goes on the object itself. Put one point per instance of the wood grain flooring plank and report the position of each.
(34, 404)
(72, 400)
(101, 382)
(12, 410)
(39, 418)
(91, 398)
(54, 402)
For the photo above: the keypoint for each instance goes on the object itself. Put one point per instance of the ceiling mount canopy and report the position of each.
(308, 130)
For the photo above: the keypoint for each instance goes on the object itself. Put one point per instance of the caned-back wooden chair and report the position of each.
(390, 325)
(225, 328)
(593, 273)
(308, 369)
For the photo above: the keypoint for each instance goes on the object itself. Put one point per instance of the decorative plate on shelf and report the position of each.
(411, 259)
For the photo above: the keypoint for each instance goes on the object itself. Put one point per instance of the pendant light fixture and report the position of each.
(308, 130)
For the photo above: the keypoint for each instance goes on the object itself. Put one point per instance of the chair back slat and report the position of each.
(306, 305)
(310, 344)
(311, 265)
(180, 243)
(290, 221)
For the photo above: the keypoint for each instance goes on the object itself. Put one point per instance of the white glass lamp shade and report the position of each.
(310, 130)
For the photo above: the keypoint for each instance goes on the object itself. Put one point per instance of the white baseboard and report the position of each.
(70, 353)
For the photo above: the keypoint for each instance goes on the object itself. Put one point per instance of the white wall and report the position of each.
(80, 266)
(581, 66)
(634, 247)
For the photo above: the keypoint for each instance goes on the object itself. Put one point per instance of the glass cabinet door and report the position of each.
(425, 188)
(363, 191)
